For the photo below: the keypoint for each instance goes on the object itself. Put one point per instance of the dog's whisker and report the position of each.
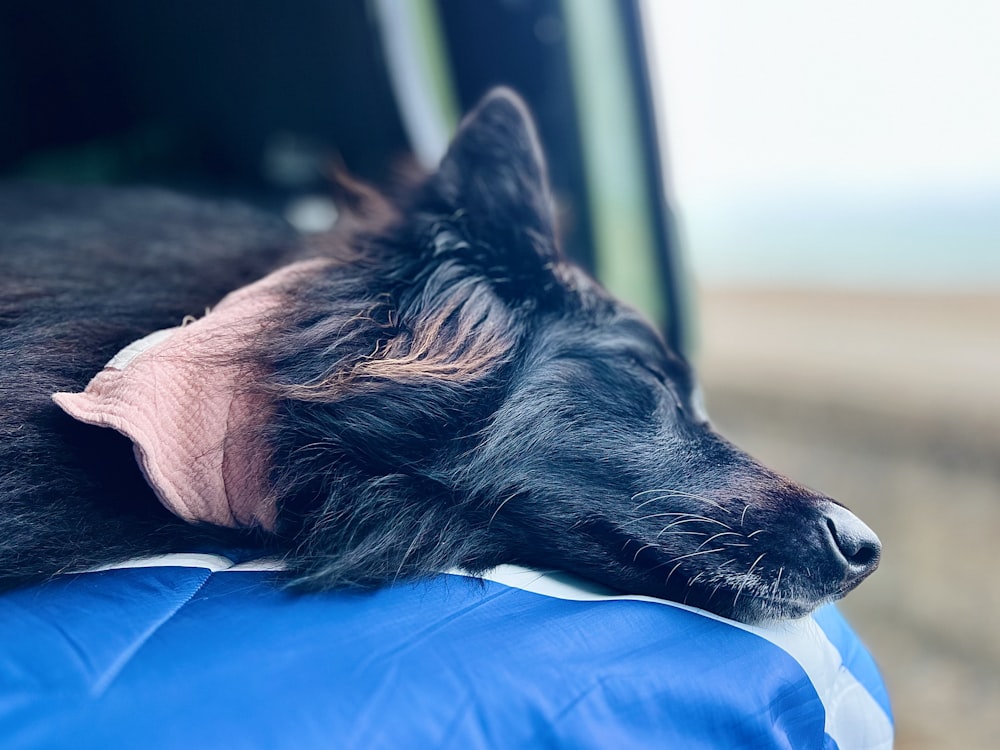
(697, 519)
(679, 561)
(679, 533)
(694, 554)
(670, 574)
(746, 578)
(658, 498)
(660, 515)
(645, 546)
(663, 494)
(646, 502)
(755, 533)
(715, 590)
(645, 492)
(716, 536)
(744, 514)
(666, 530)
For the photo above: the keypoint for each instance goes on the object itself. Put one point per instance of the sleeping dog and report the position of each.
(433, 386)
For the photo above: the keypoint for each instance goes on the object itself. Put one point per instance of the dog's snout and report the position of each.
(857, 545)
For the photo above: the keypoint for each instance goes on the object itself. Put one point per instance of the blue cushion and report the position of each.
(197, 652)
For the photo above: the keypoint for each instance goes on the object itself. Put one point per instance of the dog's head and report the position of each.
(460, 394)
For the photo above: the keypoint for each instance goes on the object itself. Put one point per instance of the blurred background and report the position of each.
(804, 196)
(836, 172)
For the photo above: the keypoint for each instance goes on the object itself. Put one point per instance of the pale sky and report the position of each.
(781, 100)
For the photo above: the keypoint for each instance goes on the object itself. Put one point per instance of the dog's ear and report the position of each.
(494, 177)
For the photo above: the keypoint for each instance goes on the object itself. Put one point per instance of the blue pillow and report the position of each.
(194, 651)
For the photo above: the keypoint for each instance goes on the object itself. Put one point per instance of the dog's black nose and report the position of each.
(857, 545)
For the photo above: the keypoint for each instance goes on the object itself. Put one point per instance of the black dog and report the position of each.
(445, 390)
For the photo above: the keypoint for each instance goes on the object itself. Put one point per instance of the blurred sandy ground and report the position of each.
(891, 404)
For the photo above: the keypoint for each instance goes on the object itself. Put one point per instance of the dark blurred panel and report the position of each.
(60, 82)
(221, 78)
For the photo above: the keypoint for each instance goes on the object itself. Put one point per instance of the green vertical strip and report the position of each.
(613, 162)
(430, 41)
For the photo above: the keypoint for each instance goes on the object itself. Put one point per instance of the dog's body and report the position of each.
(445, 391)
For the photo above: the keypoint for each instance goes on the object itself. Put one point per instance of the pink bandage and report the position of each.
(186, 398)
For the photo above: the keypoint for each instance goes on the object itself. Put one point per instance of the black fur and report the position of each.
(449, 391)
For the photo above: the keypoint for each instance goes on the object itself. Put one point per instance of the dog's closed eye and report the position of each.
(692, 406)
(649, 369)
(641, 363)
